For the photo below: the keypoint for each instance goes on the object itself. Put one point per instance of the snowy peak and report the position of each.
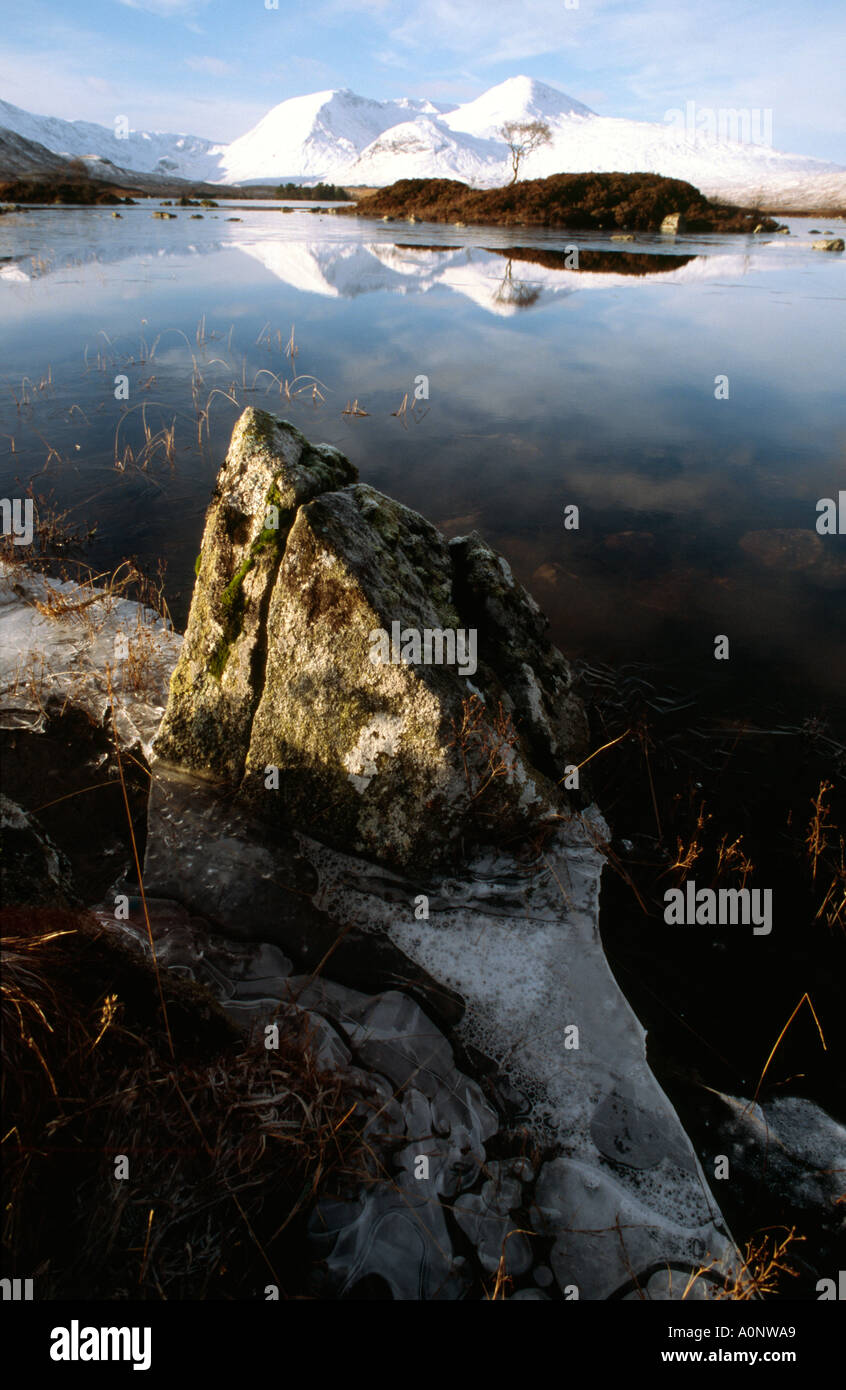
(516, 99)
(318, 135)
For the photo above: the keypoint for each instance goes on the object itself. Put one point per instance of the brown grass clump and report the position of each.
(484, 741)
(764, 1264)
(226, 1143)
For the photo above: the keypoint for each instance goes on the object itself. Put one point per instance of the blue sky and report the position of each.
(214, 67)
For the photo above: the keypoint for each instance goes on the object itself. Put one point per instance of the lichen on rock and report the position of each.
(215, 687)
(404, 759)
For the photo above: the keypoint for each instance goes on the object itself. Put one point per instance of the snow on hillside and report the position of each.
(186, 156)
(416, 148)
(345, 138)
(317, 136)
(517, 99)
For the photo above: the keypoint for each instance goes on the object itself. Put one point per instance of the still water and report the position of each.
(686, 395)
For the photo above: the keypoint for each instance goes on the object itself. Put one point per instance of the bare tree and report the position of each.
(522, 137)
(516, 292)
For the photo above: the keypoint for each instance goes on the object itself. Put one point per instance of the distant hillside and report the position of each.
(147, 152)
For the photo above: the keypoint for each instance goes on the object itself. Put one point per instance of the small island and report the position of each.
(590, 202)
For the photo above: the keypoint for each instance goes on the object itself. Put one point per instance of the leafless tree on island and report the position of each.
(522, 138)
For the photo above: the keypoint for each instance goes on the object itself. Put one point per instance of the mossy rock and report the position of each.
(407, 757)
(219, 676)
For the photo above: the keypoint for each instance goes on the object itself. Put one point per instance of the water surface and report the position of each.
(548, 386)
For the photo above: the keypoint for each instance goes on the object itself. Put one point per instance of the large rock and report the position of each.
(216, 685)
(406, 750)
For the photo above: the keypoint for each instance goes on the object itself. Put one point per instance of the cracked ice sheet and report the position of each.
(523, 950)
(65, 657)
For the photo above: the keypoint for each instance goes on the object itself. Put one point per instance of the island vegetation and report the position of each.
(600, 202)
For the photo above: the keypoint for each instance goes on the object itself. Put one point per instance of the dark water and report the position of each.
(548, 386)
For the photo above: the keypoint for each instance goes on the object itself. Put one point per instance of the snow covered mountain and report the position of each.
(516, 99)
(319, 136)
(345, 138)
(188, 156)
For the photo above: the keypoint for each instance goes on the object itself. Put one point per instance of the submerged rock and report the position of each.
(791, 1148)
(835, 244)
(351, 673)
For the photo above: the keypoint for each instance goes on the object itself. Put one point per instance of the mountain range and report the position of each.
(344, 138)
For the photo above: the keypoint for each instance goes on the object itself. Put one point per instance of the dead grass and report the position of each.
(825, 849)
(54, 534)
(227, 1142)
(806, 999)
(162, 442)
(482, 738)
(90, 590)
(764, 1265)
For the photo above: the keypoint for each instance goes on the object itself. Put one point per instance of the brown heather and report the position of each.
(636, 202)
